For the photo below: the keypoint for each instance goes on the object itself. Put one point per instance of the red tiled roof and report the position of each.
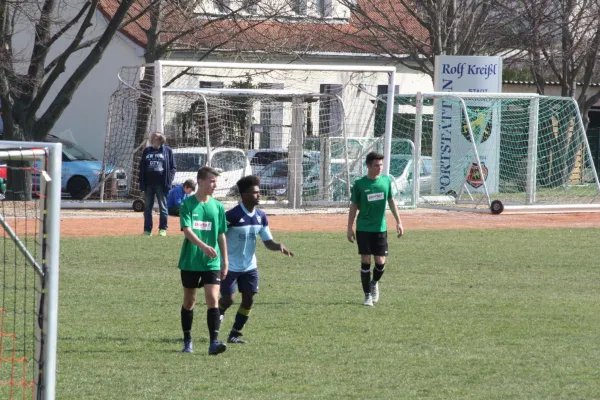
(273, 36)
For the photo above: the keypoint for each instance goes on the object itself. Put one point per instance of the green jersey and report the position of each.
(371, 197)
(207, 220)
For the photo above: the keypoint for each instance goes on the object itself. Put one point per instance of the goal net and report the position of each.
(303, 129)
(29, 254)
(517, 152)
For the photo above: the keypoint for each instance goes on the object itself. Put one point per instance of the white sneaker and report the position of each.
(368, 300)
(375, 291)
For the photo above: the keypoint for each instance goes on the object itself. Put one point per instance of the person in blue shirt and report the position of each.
(244, 223)
(178, 194)
(156, 172)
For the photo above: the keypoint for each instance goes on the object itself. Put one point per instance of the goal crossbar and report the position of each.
(160, 90)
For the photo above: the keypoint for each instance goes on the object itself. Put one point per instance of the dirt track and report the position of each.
(79, 223)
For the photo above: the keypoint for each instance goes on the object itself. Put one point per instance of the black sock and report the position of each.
(187, 317)
(240, 319)
(378, 271)
(365, 277)
(214, 323)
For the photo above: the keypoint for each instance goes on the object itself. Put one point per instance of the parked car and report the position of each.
(81, 171)
(260, 158)
(401, 171)
(274, 178)
(230, 162)
(3, 176)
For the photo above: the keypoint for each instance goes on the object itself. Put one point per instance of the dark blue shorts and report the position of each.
(246, 282)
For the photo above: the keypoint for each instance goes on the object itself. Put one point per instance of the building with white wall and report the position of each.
(307, 31)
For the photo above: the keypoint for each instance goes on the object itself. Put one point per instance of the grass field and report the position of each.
(490, 314)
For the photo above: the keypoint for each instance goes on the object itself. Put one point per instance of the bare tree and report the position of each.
(560, 40)
(26, 82)
(413, 32)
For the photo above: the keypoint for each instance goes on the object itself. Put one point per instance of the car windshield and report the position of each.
(229, 160)
(189, 162)
(397, 166)
(280, 170)
(267, 157)
(277, 170)
(76, 153)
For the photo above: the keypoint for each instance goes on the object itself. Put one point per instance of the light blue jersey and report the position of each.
(243, 228)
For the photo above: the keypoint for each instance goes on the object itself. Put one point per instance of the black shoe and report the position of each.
(216, 347)
(235, 337)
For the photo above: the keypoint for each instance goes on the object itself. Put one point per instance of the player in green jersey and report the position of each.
(203, 261)
(370, 196)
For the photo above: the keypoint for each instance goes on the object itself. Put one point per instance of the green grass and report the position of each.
(491, 314)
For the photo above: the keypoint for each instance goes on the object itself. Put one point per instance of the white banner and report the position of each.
(452, 165)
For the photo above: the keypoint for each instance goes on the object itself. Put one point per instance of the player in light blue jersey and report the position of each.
(244, 223)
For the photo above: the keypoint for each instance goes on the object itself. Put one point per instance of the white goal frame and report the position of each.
(159, 90)
(530, 192)
(47, 265)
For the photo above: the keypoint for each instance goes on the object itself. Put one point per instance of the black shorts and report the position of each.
(374, 243)
(197, 279)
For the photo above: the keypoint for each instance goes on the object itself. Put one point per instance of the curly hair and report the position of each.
(247, 182)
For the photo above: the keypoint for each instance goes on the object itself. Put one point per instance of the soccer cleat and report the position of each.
(235, 337)
(368, 300)
(147, 233)
(375, 291)
(162, 232)
(188, 347)
(216, 347)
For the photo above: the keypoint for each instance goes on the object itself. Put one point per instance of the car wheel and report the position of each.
(139, 205)
(78, 187)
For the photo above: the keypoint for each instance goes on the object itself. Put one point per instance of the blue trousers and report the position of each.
(149, 194)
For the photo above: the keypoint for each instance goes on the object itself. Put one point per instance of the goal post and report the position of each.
(30, 263)
(280, 116)
(514, 152)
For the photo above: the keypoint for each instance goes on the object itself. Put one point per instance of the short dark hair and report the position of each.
(189, 184)
(247, 182)
(205, 171)
(372, 156)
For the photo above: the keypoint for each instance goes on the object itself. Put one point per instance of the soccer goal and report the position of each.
(294, 125)
(497, 152)
(30, 219)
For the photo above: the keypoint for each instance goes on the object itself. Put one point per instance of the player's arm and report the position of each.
(274, 246)
(195, 240)
(394, 210)
(224, 257)
(351, 217)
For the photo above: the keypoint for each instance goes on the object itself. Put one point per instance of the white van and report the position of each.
(231, 162)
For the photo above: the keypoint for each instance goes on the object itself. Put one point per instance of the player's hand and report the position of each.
(286, 251)
(400, 230)
(350, 236)
(224, 271)
(209, 251)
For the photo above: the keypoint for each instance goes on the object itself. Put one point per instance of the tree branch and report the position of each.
(68, 26)
(64, 96)
(61, 62)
